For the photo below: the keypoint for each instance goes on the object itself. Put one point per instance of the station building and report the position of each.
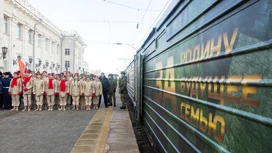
(28, 35)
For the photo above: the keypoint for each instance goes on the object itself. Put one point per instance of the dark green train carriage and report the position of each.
(202, 80)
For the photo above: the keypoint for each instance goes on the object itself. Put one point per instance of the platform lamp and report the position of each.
(4, 51)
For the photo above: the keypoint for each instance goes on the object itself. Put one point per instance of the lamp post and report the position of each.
(4, 51)
(126, 45)
(34, 42)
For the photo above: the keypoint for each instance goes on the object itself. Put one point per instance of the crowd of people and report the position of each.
(49, 91)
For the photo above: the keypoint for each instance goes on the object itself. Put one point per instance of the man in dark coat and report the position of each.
(5, 96)
(105, 89)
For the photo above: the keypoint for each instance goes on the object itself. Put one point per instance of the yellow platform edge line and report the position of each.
(100, 145)
(101, 140)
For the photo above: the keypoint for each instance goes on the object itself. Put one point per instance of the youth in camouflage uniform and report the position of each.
(33, 78)
(112, 89)
(64, 92)
(15, 90)
(57, 82)
(38, 90)
(123, 89)
(45, 78)
(27, 91)
(98, 92)
(50, 91)
(82, 98)
(69, 78)
(75, 91)
(88, 92)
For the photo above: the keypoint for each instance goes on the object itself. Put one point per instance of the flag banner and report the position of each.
(22, 68)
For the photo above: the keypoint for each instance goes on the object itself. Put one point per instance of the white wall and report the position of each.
(29, 17)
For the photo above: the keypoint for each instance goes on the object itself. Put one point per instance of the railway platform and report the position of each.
(109, 131)
(106, 130)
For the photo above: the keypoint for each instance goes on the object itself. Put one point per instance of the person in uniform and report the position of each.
(1, 90)
(69, 78)
(57, 82)
(82, 98)
(75, 91)
(88, 93)
(27, 91)
(50, 91)
(112, 89)
(38, 90)
(6, 97)
(63, 92)
(97, 92)
(15, 90)
(33, 78)
(123, 89)
(45, 79)
(105, 86)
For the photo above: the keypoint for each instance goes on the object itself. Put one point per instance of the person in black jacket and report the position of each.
(5, 96)
(1, 89)
(105, 89)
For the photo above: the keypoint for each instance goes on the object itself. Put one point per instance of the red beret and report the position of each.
(16, 73)
(27, 71)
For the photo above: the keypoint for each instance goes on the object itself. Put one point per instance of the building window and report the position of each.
(67, 51)
(19, 31)
(5, 25)
(67, 63)
(30, 36)
(40, 40)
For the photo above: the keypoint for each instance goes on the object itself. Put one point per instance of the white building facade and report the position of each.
(30, 36)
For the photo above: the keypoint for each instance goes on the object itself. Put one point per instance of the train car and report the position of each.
(202, 80)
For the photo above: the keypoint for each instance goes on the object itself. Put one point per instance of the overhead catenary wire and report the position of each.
(137, 9)
(152, 25)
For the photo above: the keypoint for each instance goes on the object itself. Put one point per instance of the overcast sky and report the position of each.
(102, 23)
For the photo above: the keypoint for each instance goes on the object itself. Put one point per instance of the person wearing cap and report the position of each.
(123, 89)
(88, 92)
(38, 90)
(45, 79)
(57, 82)
(6, 98)
(27, 91)
(63, 91)
(97, 86)
(15, 90)
(112, 89)
(33, 78)
(69, 78)
(105, 89)
(75, 91)
(1, 90)
(50, 91)
(82, 98)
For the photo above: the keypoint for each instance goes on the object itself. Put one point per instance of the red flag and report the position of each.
(22, 68)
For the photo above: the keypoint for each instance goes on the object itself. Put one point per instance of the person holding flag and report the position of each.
(27, 90)
(15, 89)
